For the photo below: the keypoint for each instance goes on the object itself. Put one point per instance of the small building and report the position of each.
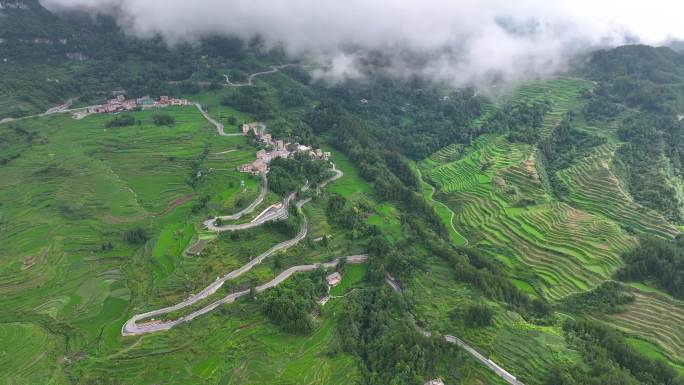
(333, 279)
(436, 381)
(261, 154)
(303, 148)
(95, 109)
(179, 102)
(266, 138)
(259, 166)
(364, 101)
(326, 155)
(120, 97)
(145, 101)
(164, 99)
(245, 168)
(280, 154)
(245, 128)
(280, 145)
(318, 152)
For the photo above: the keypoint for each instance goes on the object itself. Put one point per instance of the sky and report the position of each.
(455, 41)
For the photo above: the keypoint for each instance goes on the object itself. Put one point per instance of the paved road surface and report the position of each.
(260, 198)
(272, 214)
(484, 360)
(216, 123)
(62, 108)
(269, 214)
(251, 77)
(132, 328)
(506, 376)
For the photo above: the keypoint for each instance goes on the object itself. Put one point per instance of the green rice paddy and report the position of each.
(504, 207)
(69, 280)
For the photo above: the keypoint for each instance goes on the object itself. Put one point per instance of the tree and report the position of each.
(136, 236)
(121, 121)
(479, 315)
(163, 120)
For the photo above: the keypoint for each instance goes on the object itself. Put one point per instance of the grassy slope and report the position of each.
(59, 283)
(81, 186)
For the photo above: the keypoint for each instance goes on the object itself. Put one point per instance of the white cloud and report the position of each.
(466, 40)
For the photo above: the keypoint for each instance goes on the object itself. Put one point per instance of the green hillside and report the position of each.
(538, 222)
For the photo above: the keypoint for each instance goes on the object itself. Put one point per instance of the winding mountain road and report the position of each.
(216, 123)
(501, 372)
(250, 78)
(60, 109)
(270, 214)
(263, 189)
(131, 327)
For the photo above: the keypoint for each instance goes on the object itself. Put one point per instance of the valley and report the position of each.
(488, 199)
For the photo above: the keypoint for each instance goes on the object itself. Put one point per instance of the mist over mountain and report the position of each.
(458, 42)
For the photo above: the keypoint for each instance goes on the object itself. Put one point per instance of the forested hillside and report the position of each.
(540, 224)
(641, 93)
(47, 59)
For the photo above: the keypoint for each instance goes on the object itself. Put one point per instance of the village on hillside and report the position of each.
(120, 103)
(280, 149)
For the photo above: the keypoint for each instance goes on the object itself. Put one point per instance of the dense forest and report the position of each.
(656, 261)
(287, 175)
(290, 304)
(74, 54)
(641, 87)
(611, 360)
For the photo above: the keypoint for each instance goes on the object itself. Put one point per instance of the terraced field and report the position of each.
(447, 154)
(487, 152)
(67, 272)
(525, 350)
(568, 250)
(29, 355)
(655, 317)
(502, 205)
(564, 94)
(595, 188)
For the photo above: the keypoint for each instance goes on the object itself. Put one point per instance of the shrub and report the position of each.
(136, 236)
(478, 316)
(121, 121)
(163, 120)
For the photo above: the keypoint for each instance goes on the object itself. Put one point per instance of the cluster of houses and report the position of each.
(120, 103)
(280, 149)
